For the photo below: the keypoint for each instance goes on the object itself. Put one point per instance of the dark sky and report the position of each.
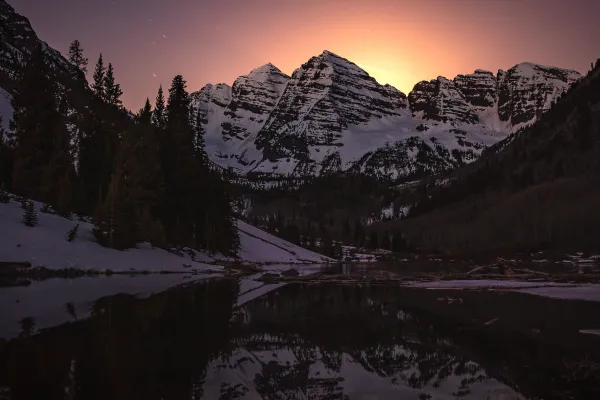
(397, 41)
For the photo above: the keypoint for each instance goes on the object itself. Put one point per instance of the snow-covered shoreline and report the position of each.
(562, 291)
(46, 245)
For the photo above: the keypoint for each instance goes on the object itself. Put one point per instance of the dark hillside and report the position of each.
(539, 189)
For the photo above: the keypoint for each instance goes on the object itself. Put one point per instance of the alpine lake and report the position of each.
(212, 337)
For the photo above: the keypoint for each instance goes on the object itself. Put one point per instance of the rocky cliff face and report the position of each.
(521, 95)
(324, 97)
(478, 89)
(441, 100)
(527, 90)
(231, 117)
(17, 40)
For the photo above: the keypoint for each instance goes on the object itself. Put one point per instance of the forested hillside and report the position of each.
(538, 189)
(143, 177)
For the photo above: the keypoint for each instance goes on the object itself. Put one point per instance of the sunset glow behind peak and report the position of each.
(397, 42)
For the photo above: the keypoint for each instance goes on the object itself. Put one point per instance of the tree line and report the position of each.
(142, 177)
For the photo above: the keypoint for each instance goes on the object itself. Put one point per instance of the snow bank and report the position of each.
(46, 245)
(258, 246)
(251, 288)
(565, 291)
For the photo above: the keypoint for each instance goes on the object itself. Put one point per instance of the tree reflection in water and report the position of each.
(300, 342)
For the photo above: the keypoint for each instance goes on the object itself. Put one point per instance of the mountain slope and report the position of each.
(230, 117)
(17, 41)
(537, 190)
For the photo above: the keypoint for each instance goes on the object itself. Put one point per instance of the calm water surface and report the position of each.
(232, 339)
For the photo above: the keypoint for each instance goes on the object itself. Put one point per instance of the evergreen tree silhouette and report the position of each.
(42, 152)
(99, 76)
(112, 90)
(76, 56)
(30, 215)
(159, 114)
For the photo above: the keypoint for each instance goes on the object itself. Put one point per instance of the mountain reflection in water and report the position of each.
(298, 342)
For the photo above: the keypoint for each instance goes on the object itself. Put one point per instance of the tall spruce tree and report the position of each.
(112, 90)
(96, 153)
(30, 218)
(114, 223)
(159, 114)
(6, 156)
(398, 242)
(181, 170)
(42, 153)
(198, 209)
(141, 156)
(199, 144)
(76, 56)
(99, 75)
(61, 170)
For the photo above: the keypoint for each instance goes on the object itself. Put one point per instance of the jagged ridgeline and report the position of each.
(331, 116)
(73, 146)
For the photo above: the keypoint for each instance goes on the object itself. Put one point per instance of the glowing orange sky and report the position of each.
(399, 42)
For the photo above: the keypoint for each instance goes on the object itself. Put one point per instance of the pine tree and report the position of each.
(159, 115)
(140, 155)
(346, 231)
(359, 234)
(96, 156)
(112, 90)
(42, 141)
(61, 170)
(181, 172)
(150, 230)
(4, 197)
(197, 209)
(6, 156)
(72, 234)
(337, 251)
(114, 224)
(145, 114)
(326, 244)
(199, 144)
(76, 56)
(373, 240)
(398, 242)
(30, 215)
(99, 76)
(385, 241)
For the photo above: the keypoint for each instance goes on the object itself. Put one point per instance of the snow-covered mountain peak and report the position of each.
(265, 73)
(325, 96)
(527, 90)
(530, 70)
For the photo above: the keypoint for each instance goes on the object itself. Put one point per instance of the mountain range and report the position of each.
(331, 116)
